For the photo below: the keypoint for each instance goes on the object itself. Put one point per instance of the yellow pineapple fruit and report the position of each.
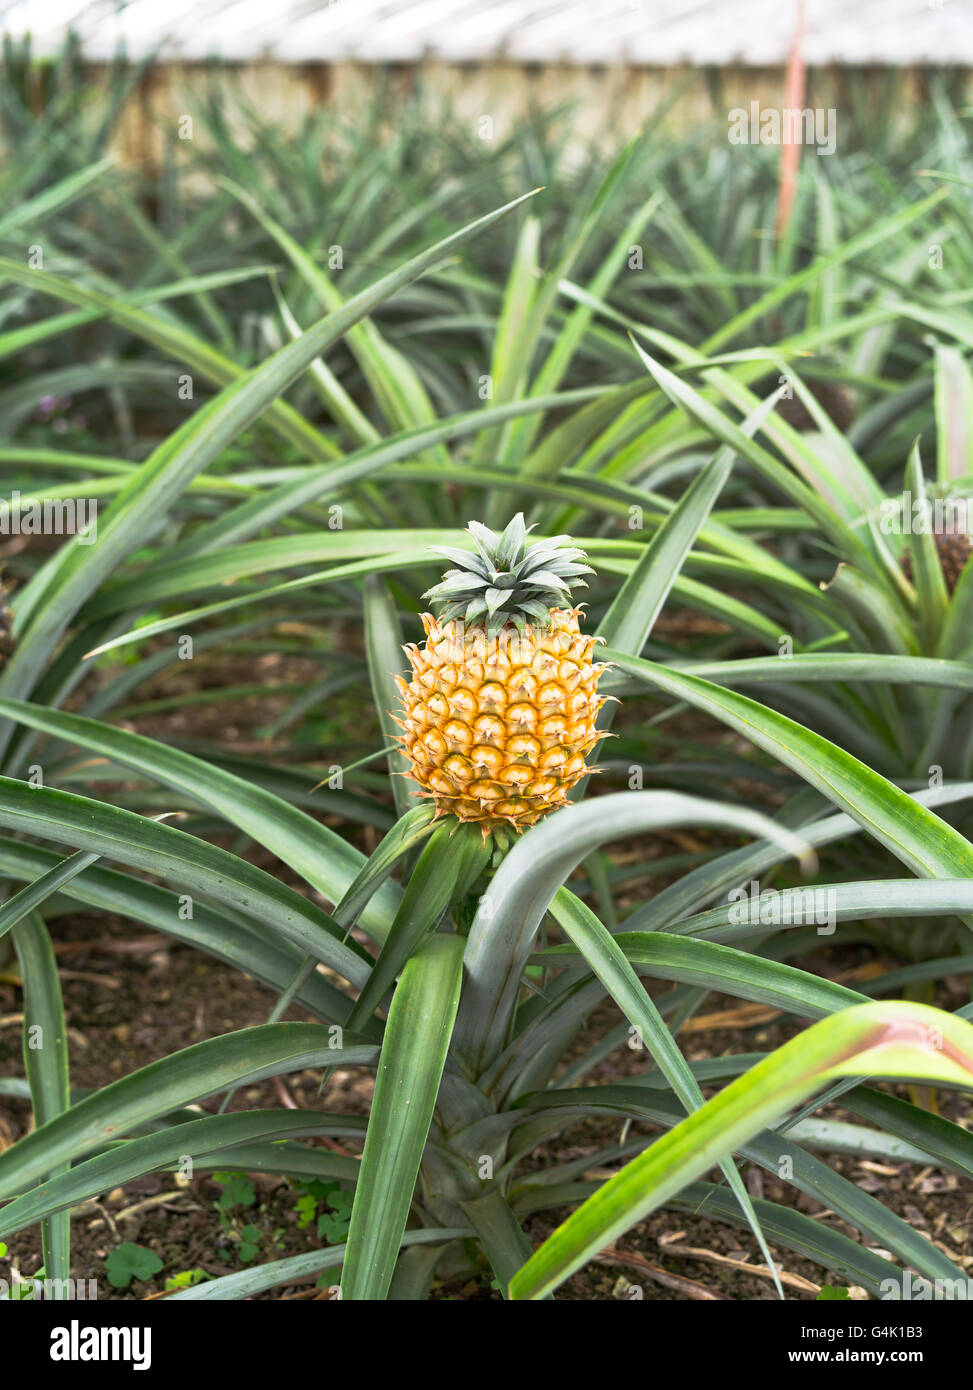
(500, 711)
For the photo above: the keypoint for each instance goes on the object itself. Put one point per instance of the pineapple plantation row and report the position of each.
(592, 518)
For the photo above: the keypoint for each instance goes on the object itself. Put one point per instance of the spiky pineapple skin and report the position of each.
(954, 550)
(496, 730)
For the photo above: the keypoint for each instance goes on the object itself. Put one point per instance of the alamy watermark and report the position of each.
(766, 125)
(27, 1290)
(50, 516)
(792, 907)
(74, 1342)
(913, 1288)
(926, 516)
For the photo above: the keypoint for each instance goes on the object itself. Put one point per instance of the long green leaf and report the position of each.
(318, 854)
(383, 647)
(893, 1040)
(187, 861)
(46, 1063)
(271, 1049)
(211, 1134)
(297, 1268)
(17, 907)
(417, 1036)
(913, 833)
(510, 911)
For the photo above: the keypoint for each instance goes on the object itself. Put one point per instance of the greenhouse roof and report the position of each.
(652, 32)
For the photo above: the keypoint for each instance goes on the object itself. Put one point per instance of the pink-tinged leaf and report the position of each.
(890, 1039)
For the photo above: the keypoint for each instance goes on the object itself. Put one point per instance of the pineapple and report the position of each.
(500, 711)
(954, 550)
(836, 401)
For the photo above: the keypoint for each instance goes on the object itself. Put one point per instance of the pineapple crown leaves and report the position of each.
(503, 580)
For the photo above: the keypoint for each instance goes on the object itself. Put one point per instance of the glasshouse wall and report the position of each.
(607, 103)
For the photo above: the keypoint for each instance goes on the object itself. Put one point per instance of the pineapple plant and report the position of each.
(501, 709)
